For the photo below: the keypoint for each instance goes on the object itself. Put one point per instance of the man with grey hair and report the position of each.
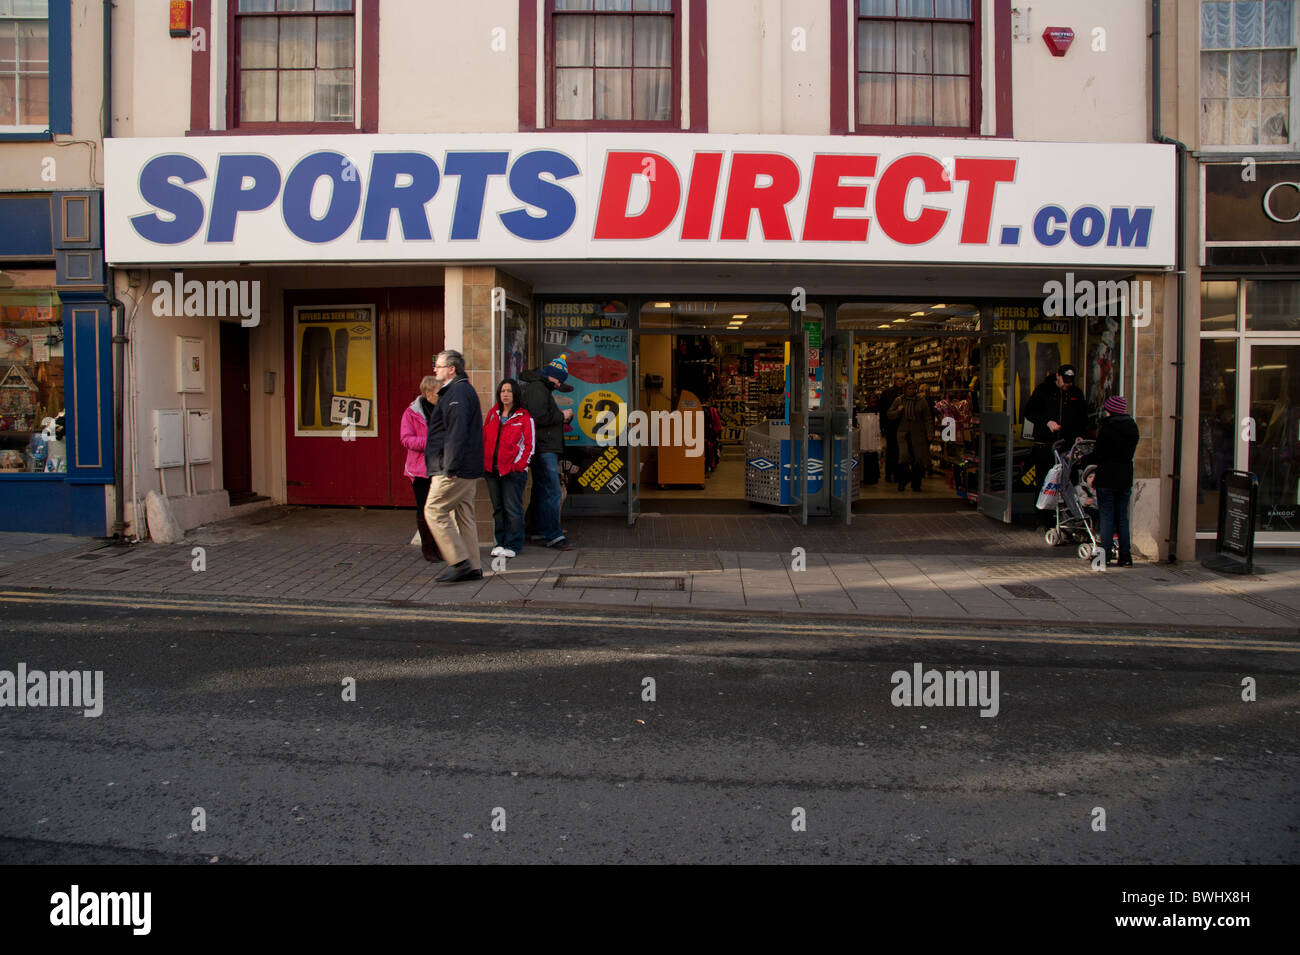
(453, 457)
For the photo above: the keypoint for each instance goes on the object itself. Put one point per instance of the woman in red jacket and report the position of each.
(415, 427)
(507, 449)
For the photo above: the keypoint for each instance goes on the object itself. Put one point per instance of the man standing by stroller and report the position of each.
(1117, 440)
(1057, 411)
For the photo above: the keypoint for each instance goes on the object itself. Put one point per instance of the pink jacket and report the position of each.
(414, 434)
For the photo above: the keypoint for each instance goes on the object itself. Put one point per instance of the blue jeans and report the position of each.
(507, 494)
(1113, 505)
(545, 504)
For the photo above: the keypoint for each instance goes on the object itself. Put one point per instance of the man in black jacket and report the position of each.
(887, 430)
(453, 457)
(1058, 413)
(1117, 440)
(549, 421)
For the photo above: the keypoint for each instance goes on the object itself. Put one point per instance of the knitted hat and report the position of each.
(557, 369)
(1115, 405)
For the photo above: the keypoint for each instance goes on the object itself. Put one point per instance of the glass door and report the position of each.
(1271, 437)
(837, 442)
(997, 423)
(797, 401)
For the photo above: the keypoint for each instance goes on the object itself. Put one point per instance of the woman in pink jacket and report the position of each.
(415, 428)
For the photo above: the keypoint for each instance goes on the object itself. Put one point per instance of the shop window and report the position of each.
(294, 62)
(1248, 55)
(1219, 306)
(1275, 451)
(35, 69)
(1273, 306)
(613, 64)
(907, 317)
(918, 65)
(1217, 428)
(32, 435)
(719, 316)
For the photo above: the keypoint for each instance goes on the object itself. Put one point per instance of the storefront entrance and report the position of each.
(354, 360)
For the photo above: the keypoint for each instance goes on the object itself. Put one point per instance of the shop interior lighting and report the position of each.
(663, 305)
(917, 315)
(741, 317)
(940, 305)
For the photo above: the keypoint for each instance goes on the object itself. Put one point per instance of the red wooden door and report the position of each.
(324, 469)
(413, 332)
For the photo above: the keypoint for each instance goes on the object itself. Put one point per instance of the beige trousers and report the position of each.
(449, 512)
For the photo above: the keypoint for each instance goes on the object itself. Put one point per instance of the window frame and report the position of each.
(975, 76)
(1294, 111)
(58, 16)
(674, 123)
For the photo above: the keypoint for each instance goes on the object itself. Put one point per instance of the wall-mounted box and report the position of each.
(168, 439)
(190, 368)
(198, 436)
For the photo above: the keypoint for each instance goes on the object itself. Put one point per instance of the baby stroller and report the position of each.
(1075, 499)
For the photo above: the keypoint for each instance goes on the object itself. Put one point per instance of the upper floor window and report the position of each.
(917, 65)
(1248, 56)
(294, 61)
(24, 64)
(614, 63)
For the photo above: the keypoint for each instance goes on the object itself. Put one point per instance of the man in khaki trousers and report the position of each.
(453, 456)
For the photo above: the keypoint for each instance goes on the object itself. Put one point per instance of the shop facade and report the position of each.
(821, 265)
(1249, 338)
(57, 440)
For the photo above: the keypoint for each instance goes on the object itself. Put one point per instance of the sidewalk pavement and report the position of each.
(303, 555)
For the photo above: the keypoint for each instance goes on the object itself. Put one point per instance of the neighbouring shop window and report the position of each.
(1273, 306)
(1217, 428)
(334, 359)
(32, 421)
(1101, 375)
(1275, 452)
(613, 61)
(294, 61)
(1247, 61)
(1218, 306)
(24, 63)
(914, 63)
(593, 338)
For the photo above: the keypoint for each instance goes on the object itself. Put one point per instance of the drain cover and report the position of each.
(615, 582)
(648, 561)
(1029, 591)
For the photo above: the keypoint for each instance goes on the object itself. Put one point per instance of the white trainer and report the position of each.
(496, 551)
(506, 552)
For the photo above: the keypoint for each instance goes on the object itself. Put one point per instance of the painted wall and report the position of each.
(77, 158)
(1089, 95)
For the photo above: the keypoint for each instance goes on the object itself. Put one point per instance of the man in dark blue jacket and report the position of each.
(453, 457)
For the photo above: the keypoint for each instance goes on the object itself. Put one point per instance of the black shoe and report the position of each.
(1124, 562)
(458, 572)
(560, 543)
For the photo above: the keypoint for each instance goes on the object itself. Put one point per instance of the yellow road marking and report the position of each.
(546, 617)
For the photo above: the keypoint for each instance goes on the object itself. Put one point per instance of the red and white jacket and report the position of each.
(508, 445)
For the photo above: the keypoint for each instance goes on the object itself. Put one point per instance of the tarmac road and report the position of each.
(542, 725)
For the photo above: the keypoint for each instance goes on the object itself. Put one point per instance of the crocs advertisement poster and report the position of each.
(593, 338)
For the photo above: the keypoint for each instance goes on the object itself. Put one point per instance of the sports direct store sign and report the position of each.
(629, 197)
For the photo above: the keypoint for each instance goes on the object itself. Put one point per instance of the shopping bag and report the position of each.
(1051, 491)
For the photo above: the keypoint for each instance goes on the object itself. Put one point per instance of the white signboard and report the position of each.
(471, 197)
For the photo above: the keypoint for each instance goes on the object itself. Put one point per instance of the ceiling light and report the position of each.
(897, 320)
(940, 305)
(741, 317)
(663, 304)
(916, 315)
(882, 326)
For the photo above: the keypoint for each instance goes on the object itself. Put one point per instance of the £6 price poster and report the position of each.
(334, 361)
